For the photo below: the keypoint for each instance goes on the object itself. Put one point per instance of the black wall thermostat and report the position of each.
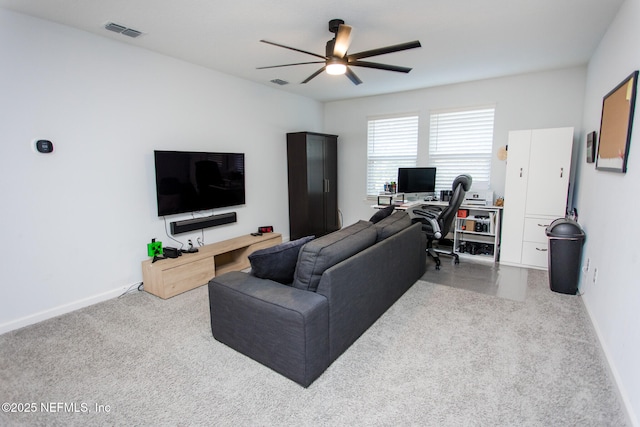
(44, 146)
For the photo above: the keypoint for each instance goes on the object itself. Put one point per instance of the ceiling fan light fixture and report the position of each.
(336, 61)
(336, 68)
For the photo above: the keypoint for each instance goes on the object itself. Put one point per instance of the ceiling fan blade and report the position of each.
(313, 75)
(379, 66)
(293, 48)
(343, 39)
(352, 76)
(288, 65)
(383, 50)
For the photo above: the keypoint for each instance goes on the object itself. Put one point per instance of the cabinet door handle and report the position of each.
(326, 185)
(561, 172)
(520, 172)
(541, 250)
(543, 225)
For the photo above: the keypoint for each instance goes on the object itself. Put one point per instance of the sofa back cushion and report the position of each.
(399, 220)
(326, 251)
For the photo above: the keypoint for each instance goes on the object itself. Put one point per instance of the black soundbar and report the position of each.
(178, 227)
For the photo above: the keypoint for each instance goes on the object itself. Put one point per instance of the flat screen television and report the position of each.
(416, 181)
(189, 181)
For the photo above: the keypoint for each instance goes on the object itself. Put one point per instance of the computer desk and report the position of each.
(478, 245)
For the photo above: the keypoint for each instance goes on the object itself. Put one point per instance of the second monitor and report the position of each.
(417, 183)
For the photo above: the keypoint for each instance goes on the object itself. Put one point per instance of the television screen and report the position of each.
(195, 181)
(416, 180)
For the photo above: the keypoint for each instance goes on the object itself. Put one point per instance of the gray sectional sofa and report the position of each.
(343, 282)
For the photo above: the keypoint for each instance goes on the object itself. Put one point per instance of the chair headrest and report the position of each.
(464, 180)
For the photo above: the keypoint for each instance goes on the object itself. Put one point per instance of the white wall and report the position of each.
(538, 100)
(607, 205)
(75, 223)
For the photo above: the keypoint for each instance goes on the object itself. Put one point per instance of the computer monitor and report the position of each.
(417, 183)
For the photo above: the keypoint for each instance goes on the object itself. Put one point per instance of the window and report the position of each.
(461, 141)
(392, 143)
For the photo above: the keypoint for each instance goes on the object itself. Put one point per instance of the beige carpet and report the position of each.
(439, 357)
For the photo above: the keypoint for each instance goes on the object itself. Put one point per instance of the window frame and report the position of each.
(405, 157)
(466, 153)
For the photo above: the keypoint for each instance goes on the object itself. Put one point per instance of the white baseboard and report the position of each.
(632, 420)
(62, 309)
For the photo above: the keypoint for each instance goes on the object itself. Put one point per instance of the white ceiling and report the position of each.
(462, 40)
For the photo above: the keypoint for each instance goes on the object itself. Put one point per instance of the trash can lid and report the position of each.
(564, 227)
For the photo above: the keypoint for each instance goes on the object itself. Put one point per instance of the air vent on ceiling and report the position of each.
(131, 33)
(279, 82)
(116, 28)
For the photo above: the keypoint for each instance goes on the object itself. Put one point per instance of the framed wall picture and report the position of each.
(615, 126)
(591, 147)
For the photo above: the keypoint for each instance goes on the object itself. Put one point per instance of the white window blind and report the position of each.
(462, 142)
(391, 143)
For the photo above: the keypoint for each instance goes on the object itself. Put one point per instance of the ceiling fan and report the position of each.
(337, 61)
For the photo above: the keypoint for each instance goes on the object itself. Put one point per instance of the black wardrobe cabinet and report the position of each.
(312, 165)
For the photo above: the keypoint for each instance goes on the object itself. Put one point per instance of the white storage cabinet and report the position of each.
(536, 190)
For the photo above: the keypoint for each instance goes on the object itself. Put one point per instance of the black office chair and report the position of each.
(436, 222)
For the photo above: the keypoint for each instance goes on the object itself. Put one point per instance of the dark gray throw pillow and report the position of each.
(382, 214)
(277, 263)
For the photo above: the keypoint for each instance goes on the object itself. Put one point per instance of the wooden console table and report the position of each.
(169, 277)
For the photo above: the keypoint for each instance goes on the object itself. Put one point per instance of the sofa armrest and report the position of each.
(284, 328)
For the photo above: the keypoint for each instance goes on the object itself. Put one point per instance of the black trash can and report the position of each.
(566, 239)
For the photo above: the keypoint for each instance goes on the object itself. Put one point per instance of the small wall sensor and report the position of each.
(44, 146)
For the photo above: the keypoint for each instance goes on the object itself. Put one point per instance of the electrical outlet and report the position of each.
(595, 275)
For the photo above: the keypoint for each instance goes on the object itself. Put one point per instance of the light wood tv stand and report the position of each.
(169, 277)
